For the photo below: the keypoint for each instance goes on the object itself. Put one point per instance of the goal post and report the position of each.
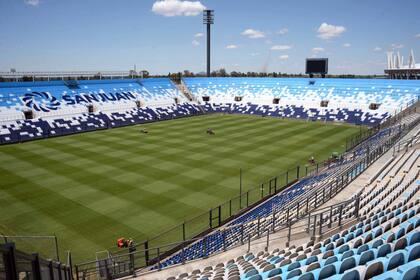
(46, 246)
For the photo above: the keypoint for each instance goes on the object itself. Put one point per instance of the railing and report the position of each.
(288, 217)
(62, 75)
(16, 265)
(409, 108)
(126, 264)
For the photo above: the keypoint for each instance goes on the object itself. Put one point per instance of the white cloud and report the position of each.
(171, 8)
(327, 31)
(317, 50)
(377, 49)
(346, 45)
(253, 34)
(397, 46)
(231, 47)
(280, 47)
(255, 54)
(284, 57)
(198, 35)
(32, 2)
(195, 43)
(417, 35)
(283, 31)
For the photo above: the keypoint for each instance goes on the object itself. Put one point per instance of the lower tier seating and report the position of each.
(26, 130)
(384, 246)
(299, 112)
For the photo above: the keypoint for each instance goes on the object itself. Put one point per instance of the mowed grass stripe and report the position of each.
(138, 185)
(111, 186)
(153, 171)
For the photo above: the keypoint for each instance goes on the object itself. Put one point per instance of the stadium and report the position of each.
(209, 175)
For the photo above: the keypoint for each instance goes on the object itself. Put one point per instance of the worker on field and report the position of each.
(120, 242)
(210, 131)
(125, 243)
(312, 160)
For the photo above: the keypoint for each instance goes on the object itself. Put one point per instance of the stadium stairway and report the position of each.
(402, 188)
(182, 87)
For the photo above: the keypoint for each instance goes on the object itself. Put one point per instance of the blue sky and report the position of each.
(276, 35)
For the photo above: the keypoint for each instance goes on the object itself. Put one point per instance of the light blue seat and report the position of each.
(365, 257)
(347, 254)
(272, 273)
(307, 276)
(347, 264)
(251, 273)
(413, 252)
(377, 243)
(363, 248)
(388, 275)
(395, 259)
(294, 273)
(330, 260)
(410, 271)
(384, 250)
(255, 277)
(311, 259)
(388, 237)
(413, 237)
(325, 272)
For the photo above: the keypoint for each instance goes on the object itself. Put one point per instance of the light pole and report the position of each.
(208, 19)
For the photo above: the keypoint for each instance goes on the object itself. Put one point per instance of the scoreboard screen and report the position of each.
(316, 65)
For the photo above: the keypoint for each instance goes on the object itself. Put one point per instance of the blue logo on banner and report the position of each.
(45, 102)
(41, 101)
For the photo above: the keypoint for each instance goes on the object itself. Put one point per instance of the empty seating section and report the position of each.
(384, 245)
(348, 99)
(356, 116)
(24, 130)
(61, 107)
(64, 98)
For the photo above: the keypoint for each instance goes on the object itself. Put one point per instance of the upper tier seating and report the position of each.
(343, 95)
(60, 98)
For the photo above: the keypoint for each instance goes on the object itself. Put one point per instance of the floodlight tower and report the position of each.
(208, 19)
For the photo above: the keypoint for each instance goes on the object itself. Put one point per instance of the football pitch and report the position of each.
(90, 189)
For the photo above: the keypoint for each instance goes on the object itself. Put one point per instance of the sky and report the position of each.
(169, 36)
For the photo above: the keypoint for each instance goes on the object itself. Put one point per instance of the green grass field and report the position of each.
(89, 189)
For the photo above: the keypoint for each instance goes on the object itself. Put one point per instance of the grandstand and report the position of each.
(349, 101)
(32, 110)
